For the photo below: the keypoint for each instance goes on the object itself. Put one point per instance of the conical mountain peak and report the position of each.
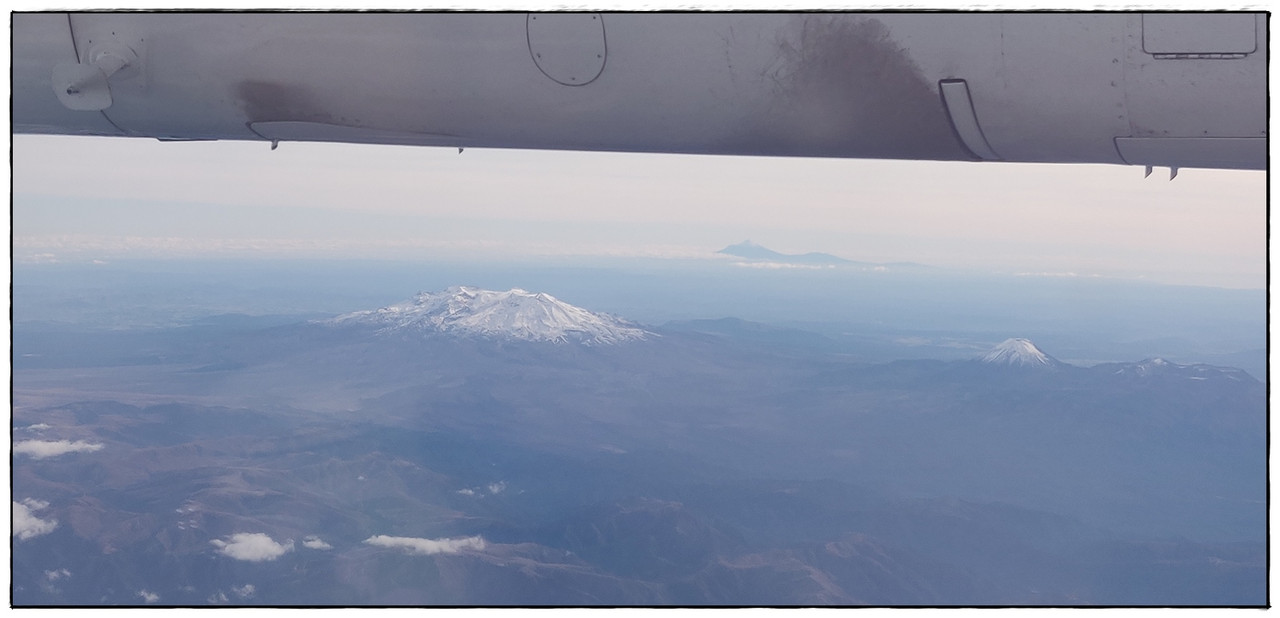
(1019, 352)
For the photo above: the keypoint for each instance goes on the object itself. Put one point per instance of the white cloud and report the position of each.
(57, 574)
(252, 547)
(244, 592)
(26, 525)
(39, 449)
(31, 249)
(492, 488)
(414, 545)
(784, 266)
(314, 542)
(38, 258)
(38, 427)
(149, 597)
(1051, 274)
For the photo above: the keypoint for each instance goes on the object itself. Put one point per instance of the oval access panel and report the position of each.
(567, 47)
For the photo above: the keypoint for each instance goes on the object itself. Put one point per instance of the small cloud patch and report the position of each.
(40, 449)
(493, 489)
(314, 542)
(25, 523)
(427, 547)
(57, 574)
(252, 547)
(148, 597)
(783, 266)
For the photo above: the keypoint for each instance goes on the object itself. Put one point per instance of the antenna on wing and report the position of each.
(85, 86)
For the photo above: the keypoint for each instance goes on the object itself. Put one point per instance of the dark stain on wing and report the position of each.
(844, 88)
(270, 101)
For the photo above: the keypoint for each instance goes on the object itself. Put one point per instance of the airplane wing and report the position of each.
(1153, 89)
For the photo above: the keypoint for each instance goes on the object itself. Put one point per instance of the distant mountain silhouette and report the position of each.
(758, 253)
(752, 251)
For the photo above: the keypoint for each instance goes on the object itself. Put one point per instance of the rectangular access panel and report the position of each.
(1199, 33)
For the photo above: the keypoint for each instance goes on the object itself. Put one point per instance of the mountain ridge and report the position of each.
(756, 254)
(752, 251)
(515, 314)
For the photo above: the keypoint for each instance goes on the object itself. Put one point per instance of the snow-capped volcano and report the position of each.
(1019, 353)
(514, 314)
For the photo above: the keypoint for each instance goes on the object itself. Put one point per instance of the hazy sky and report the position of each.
(79, 198)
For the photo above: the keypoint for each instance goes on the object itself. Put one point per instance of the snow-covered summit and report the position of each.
(1153, 367)
(514, 314)
(1019, 352)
